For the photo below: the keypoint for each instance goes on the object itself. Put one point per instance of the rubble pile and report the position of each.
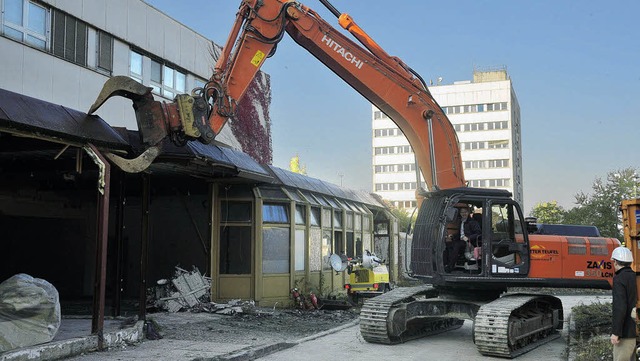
(186, 290)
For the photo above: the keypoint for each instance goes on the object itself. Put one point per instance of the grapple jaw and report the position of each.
(152, 116)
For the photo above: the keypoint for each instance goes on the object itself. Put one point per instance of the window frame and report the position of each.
(24, 28)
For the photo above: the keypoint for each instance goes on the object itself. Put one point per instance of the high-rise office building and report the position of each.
(486, 116)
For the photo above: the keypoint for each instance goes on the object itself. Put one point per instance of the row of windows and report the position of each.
(490, 183)
(165, 80)
(387, 132)
(54, 31)
(401, 186)
(405, 204)
(395, 168)
(475, 108)
(484, 164)
(492, 144)
(235, 239)
(401, 149)
(473, 127)
(379, 115)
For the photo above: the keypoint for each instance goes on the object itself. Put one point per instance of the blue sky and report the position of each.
(575, 67)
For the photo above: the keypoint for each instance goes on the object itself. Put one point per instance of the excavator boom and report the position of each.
(384, 80)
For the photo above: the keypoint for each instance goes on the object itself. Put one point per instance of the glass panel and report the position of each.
(300, 251)
(168, 77)
(235, 250)
(349, 220)
(168, 94)
(320, 199)
(326, 249)
(37, 42)
(332, 202)
(37, 18)
(350, 246)
(311, 199)
(13, 11)
(156, 72)
(58, 33)
(339, 243)
(273, 193)
(326, 218)
(275, 250)
(275, 213)
(301, 212)
(359, 246)
(181, 81)
(135, 64)
(358, 222)
(105, 58)
(337, 219)
(295, 195)
(314, 216)
(13, 33)
(235, 211)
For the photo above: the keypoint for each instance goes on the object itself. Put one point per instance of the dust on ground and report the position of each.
(256, 327)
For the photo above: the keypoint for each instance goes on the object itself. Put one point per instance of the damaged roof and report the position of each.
(195, 158)
(26, 115)
(296, 180)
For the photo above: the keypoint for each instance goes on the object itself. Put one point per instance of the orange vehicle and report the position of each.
(505, 324)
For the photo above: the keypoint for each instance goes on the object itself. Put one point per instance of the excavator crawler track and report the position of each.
(515, 324)
(378, 324)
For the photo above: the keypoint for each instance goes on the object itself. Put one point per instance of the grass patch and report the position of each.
(597, 348)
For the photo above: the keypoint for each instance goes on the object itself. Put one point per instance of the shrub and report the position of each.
(591, 320)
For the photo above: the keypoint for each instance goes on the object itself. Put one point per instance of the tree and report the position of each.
(403, 217)
(295, 167)
(601, 208)
(548, 212)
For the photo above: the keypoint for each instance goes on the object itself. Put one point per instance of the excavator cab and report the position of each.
(502, 249)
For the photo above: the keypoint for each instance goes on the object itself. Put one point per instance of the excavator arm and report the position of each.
(384, 80)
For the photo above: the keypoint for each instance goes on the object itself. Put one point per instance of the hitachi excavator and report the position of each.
(505, 324)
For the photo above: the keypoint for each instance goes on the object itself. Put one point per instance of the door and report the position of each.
(509, 243)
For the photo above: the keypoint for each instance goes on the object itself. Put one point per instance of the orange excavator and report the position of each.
(505, 324)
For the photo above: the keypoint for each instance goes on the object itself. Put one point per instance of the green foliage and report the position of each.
(592, 328)
(599, 208)
(548, 212)
(404, 218)
(604, 203)
(592, 319)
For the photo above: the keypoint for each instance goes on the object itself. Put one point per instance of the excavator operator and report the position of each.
(464, 240)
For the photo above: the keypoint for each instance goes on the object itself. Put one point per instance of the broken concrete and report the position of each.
(29, 312)
(186, 290)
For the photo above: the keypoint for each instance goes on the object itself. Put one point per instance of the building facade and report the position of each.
(486, 116)
(64, 51)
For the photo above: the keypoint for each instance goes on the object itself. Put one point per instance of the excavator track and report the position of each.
(515, 324)
(382, 320)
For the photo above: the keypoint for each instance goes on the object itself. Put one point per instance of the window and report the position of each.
(25, 21)
(275, 213)
(156, 77)
(337, 219)
(314, 216)
(301, 212)
(275, 250)
(498, 144)
(135, 65)
(235, 212)
(235, 250)
(326, 250)
(69, 38)
(105, 51)
(351, 252)
(301, 243)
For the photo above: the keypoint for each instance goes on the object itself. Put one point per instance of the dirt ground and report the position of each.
(253, 326)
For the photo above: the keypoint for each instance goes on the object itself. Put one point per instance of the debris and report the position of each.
(186, 290)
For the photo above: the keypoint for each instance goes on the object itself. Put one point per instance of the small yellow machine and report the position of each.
(368, 275)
